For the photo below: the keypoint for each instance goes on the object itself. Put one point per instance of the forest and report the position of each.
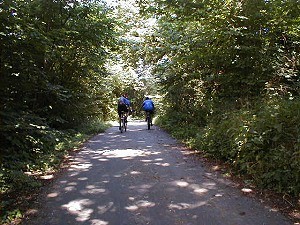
(226, 71)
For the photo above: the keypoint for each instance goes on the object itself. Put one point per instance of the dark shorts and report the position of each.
(150, 111)
(122, 107)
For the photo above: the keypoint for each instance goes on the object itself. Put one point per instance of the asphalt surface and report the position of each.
(145, 177)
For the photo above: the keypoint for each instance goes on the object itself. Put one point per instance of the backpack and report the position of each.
(148, 105)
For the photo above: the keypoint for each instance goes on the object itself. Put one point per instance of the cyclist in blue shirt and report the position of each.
(148, 106)
(123, 105)
(124, 100)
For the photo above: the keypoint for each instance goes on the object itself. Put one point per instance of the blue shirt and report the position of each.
(124, 100)
(148, 105)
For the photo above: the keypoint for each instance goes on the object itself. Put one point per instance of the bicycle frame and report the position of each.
(148, 118)
(123, 121)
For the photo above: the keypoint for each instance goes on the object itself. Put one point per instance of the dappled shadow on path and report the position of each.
(141, 177)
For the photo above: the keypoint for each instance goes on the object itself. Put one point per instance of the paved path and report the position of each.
(145, 177)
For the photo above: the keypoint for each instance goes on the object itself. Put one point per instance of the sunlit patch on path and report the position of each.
(145, 177)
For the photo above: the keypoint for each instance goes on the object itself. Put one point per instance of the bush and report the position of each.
(22, 165)
(180, 125)
(262, 142)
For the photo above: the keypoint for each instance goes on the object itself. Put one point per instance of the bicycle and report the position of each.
(148, 119)
(123, 124)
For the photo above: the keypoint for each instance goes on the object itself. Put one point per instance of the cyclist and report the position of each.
(123, 105)
(148, 106)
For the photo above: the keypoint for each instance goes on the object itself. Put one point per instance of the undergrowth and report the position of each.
(21, 172)
(261, 142)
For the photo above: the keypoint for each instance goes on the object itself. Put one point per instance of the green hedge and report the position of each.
(262, 143)
(21, 168)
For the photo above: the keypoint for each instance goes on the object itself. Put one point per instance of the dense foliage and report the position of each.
(63, 64)
(53, 82)
(229, 72)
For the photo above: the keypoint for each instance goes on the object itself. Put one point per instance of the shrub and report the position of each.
(262, 142)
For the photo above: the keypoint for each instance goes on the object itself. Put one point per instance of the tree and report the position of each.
(229, 70)
(52, 66)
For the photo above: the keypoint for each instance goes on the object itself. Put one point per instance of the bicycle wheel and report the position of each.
(148, 120)
(122, 124)
(125, 124)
